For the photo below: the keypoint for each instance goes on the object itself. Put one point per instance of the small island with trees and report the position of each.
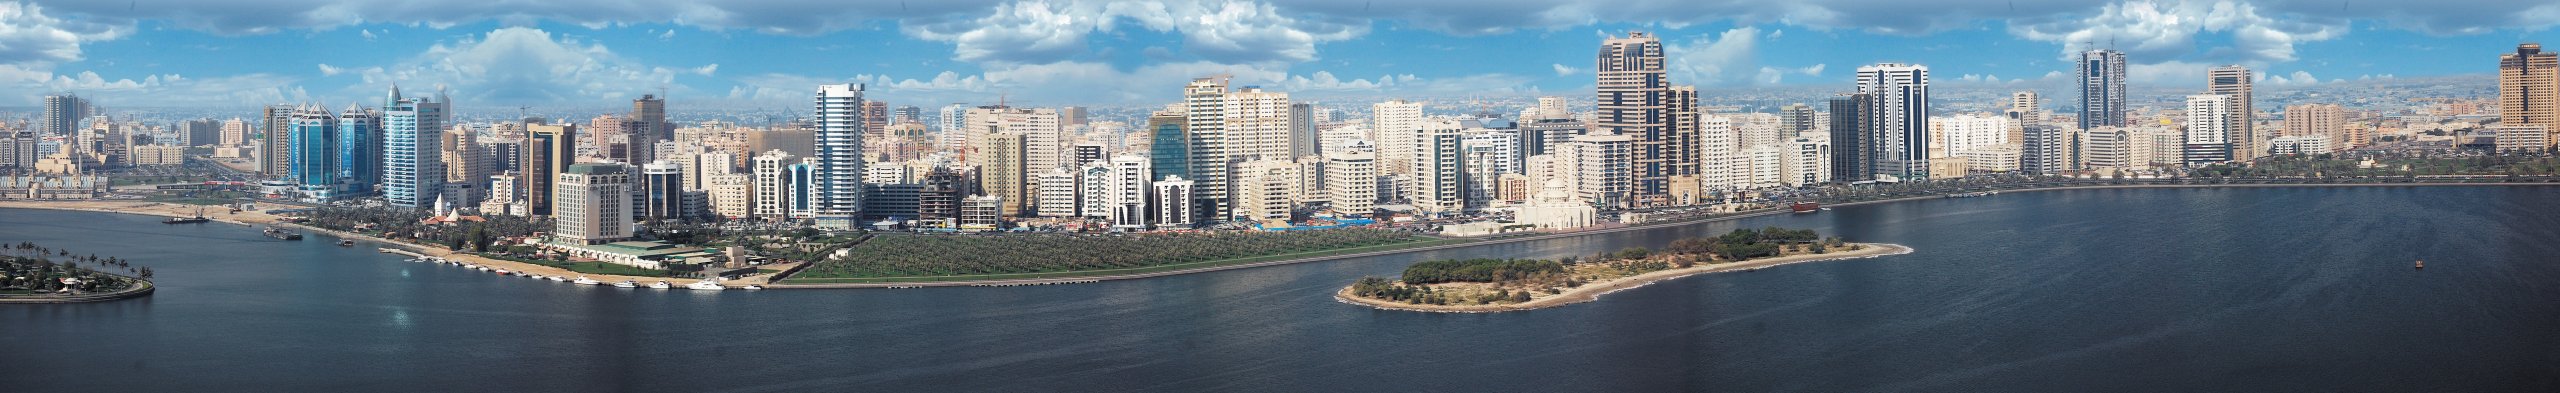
(1494, 285)
(30, 273)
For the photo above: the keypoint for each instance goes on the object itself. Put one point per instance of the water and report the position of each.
(2116, 290)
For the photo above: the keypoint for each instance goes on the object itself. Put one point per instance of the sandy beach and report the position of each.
(1593, 291)
(254, 219)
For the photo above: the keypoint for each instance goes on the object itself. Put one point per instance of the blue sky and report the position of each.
(750, 53)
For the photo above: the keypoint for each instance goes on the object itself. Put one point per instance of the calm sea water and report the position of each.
(2104, 290)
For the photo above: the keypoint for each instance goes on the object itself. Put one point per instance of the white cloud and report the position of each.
(1712, 61)
(1042, 32)
(368, 34)
(30, 37)
(1562, 70)
(516, 65)
(2297, 78)
(706, 70)
(328, 70)
(2156, 31)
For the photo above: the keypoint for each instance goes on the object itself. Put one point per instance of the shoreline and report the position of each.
(140, 288)
(52, 205)
(255, 219)
(1593, 291)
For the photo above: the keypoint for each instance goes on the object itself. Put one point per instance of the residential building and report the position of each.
(2239, 124)
(2102, 91)
(1351, 177)
(593, 204)
(413, 128)
(548, 150)
(836, 176)
(2529, 89)
(1898, 118)
(2209, 132)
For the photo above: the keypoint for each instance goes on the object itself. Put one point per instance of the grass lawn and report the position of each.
(1417, 243)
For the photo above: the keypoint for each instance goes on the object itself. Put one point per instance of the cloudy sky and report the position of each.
(1063, 52)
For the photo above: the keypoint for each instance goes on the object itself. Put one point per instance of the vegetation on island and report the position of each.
(979, 255)
(28, 269)
(1514, 281)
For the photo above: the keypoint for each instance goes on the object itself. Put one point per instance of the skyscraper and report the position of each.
(275, 149)
(1851, 160)
(2045, 151)
(594, 203)
(2529, 88)
(2209, 137)
(1439, 172)
(1898, 118)
(1635, 100)
(648, 125)
(1168, 146)
(1396, 123)
(313, 165)
(548, 150)
(1003, 171)
(836, 196)
(1304, 140)
(359, 152)
(1205, 109)
(63, 115)
(2232, 82)
(412, 151)
(1796, 118)
(771, 194)
(2101, 88)
(661, 192)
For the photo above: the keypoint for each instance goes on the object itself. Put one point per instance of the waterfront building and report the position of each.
(593, 204)
(982, 213)
(413, 130)
(275, 152)
(63, 114)
(1264, 190)
(2327, 120)
(2102, 90)
(1556, 207)
(1305, 139)
(2522, 138)
(1171, 215)
(1055, 193)
(1395, 123)
(1439, 173)
(1598, 167)
(733, 195)
(1636, 99)
(660, 192)
(1128, 191)
(504, 197)
(836, 176)
(314, 168)
(548, 150)
(2239, 125)
(1168, 146)
(1257, 125)
(770, 198)
(1850, 159)
(1351, 177)
(1720, 157)
(1205, 109)
(2299, 145)
(2045, 151)
(2529, 89)
(2208, 130)
(466, 166)
(1810, 162)
(1898, 118)
(1002, 170)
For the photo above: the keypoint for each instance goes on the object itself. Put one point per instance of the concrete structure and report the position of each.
(2299, 145)
(1439, 175)
(2046, 150)
(1636, 99)
(2529, 89)
(1898, 118)
(2209, 132)
(2522, 138)
(548, 150)
(1351, 177)
(1125, 192)
(2102, 92)
(658, 194)
(413, 172)
(1554, 207)
(2239, 126)
(836, 176)
(159, 155)
(1265, 190)
(1055, 193)
(1396, 123)
(770, 195)
(1002, 172)
(1170, 215)
(1598, 168)
(981, 213)
(593, 204)
(733, 195)
(1851, 160)
(1205, 110)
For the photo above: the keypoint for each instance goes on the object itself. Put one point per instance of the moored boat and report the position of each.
(626, 284)
(705, 285)
(1805, 207)
(280, 234)
(583, 280)
(661, 284)
(754, 287)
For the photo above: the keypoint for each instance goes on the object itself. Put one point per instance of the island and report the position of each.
(30, 273)
(1497, 285)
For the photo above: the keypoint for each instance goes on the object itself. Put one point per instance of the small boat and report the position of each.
(1805, 207)
(705, 285)
(346, 243)
(198, 219)
(626, 284)
(501, 272)
(2422, 264)
(755, 287)
(583, 280)
(662, 284)
(280, 234)
(555, 279)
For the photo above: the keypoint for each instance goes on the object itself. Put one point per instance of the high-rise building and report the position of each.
(2046, 150)
(1898, 118)
(2102, 93)
(594, 204)
(2529, 89)
(1002, 171)
(1127, 190)
(18, 149)
(548, 150)
(2233, 83)
(275, 152)
(660, 192)
(63, 115)
(1168, 146)
(1205, 110)
(648, 125)
(837, 175)
(1439, 172)
(906, 114)
(413, 129)
(1351, 177)
(2324, 120)
(1174, 215)
(1719, 156)
(1054, 193)
(1396, 123)
(771, 198)
(1636, 100)
(875, 118)
(732, 194)
(1596, 168)
(1797, 118)
(1304, 139)
(313, 164)
(2209, 137)
(1265, 189)
(235, 132)
(1851, 158)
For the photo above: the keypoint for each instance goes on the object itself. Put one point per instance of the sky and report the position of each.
(763, 53)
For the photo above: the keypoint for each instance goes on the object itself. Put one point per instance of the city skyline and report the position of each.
(150, 54)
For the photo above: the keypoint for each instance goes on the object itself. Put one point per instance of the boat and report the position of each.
(661, 284)
(2422, 264)
(754, 287)
(501, 272)
(625, 284)
(198, 219)
(280, 234)
(705, 285)
(555, 278)
(583, 280)
(346, 243)
(1805, 207)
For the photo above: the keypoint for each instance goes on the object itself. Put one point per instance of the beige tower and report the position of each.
(2232, 81)
(2527, 83)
